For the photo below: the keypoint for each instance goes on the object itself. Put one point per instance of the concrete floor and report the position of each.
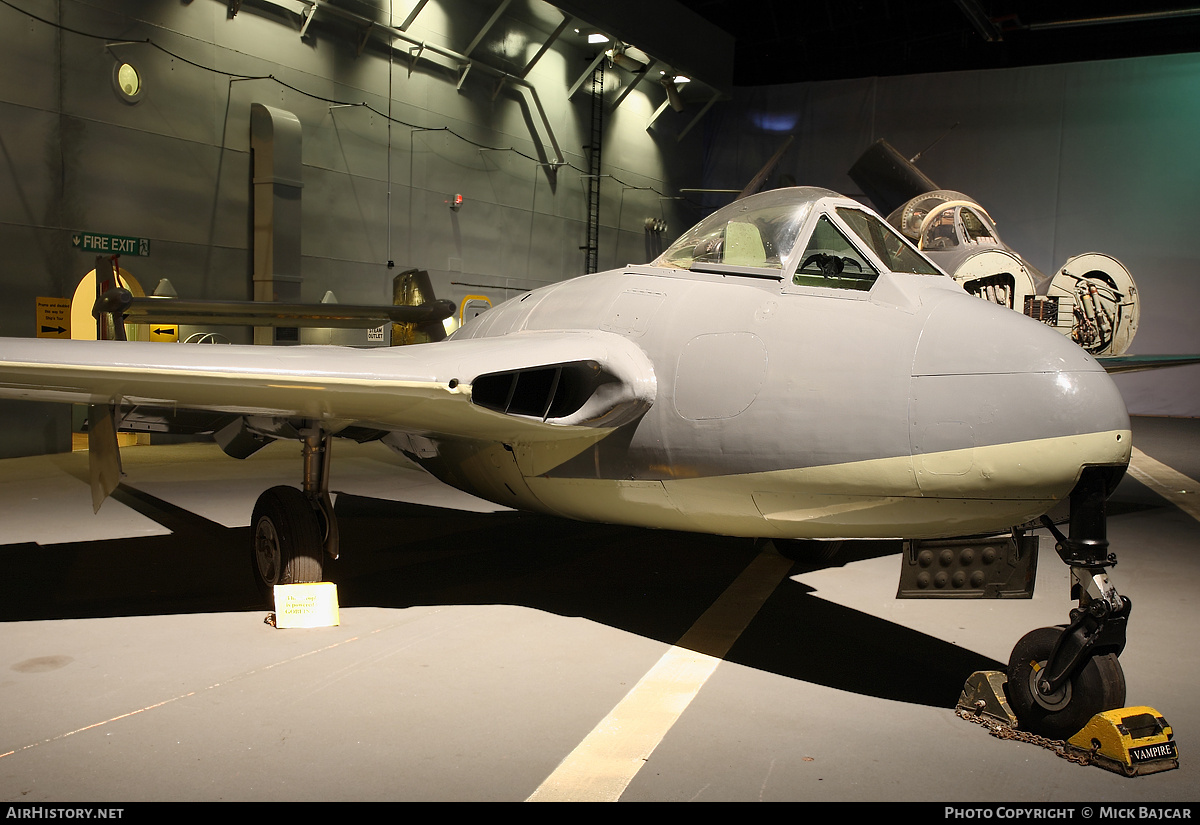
(478, 648)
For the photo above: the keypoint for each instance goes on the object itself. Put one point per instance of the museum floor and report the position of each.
(477, 650)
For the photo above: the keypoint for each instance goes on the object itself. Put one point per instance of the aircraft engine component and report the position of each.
(1042, 308)
(1103, 301)
(998, 276)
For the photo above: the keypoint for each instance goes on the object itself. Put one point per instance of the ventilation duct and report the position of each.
(276, 175)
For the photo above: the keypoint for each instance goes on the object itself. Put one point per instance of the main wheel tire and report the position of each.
(1097, 686)
(286, 545)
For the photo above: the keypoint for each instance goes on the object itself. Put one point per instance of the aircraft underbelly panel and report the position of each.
(618, 501)
(882, 498)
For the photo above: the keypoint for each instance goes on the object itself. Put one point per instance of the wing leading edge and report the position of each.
(590, 380)
(1137, 363)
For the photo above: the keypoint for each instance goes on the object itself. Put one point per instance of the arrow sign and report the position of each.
(164, 332)
(53, 318)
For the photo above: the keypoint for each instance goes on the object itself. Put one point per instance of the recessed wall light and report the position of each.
(128, 82)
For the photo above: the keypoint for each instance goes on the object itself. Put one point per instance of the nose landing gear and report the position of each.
(1065, 682)
(1060, 677)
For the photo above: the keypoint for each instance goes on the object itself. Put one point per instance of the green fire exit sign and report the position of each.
(110, 244)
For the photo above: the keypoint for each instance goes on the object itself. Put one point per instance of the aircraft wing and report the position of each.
(528, 388)
(274, 314)
(1136, 363)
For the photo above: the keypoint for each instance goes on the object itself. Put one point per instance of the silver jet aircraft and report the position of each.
(790, 368)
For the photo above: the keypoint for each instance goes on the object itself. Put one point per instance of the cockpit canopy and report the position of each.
(813, 236)
(945, 220)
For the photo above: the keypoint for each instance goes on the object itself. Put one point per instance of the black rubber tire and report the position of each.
(286, 544)
(1097, 686)
(809, 551)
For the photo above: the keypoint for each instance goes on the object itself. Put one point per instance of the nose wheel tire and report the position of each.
(286, 540)
(1098, 685)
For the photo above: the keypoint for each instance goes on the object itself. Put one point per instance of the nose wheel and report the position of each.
(1060, 710)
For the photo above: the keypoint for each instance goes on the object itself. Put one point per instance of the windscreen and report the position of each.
(759, 231)
(887, 245)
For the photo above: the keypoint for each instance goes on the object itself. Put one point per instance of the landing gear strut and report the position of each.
(293, 530)
(1059, 677)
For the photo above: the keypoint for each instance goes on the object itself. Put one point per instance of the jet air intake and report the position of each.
(576, 392)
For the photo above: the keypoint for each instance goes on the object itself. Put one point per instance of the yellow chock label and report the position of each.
(313, 604)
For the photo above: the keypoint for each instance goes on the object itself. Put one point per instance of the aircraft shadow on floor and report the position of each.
(648, 582)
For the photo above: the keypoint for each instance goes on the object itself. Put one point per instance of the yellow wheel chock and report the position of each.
(1132, 741)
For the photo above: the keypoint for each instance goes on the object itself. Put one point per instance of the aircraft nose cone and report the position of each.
(1001, 402)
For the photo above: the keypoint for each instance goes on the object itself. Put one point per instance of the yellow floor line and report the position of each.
(1174, 486)
(607, 760)
(604, 764)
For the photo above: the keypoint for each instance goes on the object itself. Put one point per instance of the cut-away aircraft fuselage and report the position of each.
(1091, 298)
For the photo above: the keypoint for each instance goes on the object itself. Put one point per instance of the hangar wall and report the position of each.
(1070, 158)
(174, 167)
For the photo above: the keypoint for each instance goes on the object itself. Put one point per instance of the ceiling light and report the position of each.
(628, 58)
(596, 37)
(672, 94)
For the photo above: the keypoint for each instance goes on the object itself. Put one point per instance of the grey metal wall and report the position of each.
(1068, 159)
(174, 167)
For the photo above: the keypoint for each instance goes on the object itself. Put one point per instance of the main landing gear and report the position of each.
(292, 531)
